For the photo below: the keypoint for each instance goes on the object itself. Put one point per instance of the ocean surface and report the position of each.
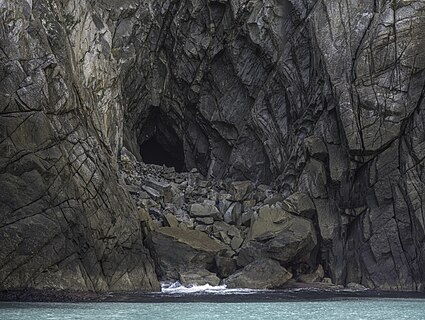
(205, 302)
(322, 310)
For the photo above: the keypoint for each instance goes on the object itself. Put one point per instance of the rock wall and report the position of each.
(320, 97)
(65, 223)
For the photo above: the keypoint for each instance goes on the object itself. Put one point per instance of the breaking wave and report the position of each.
(178, 288)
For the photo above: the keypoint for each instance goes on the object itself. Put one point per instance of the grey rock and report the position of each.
(301, 204)
(280, 235)
(198, 278)
(225, 266)
(241, 190)
(316, 148)
(237, 90)
(316, 276)
(178, 250)
(205, 209)
(233, 213)
(260, 274)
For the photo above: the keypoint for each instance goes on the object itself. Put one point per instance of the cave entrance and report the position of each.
(154, 152)
(161, 145)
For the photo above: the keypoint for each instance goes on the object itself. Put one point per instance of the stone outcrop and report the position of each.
(315, 108)
(260, 274)
(65, 222)
(198, 277)
(177, 249)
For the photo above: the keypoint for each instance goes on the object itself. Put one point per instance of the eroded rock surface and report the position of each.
(322, 100)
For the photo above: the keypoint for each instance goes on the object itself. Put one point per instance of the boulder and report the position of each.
(259, 274)
(355, 286)
(198, 277)
(233, 213)
(241, 190)
(301, 204)
(175, 250)
(171, 220)
(225, 266)
(236, 242)
(278, 234)
(315, 276)
(205, 209)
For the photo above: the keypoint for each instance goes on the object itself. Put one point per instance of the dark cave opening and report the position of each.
(155, 151)
(160, 141)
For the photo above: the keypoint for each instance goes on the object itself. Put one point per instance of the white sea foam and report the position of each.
(177, 288)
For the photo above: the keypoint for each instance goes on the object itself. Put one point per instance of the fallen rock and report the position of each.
(315, 276)
(176, 250)
(233, 213)
(198, 277)
(225, 266)
(171, 220)
(301, 204)
(280, 235)
(259, 274)
(236, 242)
(241, 190)
(355, 286)
(205, 209)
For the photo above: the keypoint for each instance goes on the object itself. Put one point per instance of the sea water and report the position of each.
(353, 309)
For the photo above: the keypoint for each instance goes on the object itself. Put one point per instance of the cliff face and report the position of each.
(322, 97)
(65, 222)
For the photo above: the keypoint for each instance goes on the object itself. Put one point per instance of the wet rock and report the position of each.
(355, 286)
(198, 277)
(280, 235)
(177, 250)
(260, 274)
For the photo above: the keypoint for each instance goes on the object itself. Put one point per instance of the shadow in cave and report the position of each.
(156, 151)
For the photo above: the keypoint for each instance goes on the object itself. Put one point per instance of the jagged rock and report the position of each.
(241, 190)
(171, 220)
(225, 266)
(235, 98)
(198, 277)
(355, 286)
(316, 276)
(301, 204)
(262, 192)
(233, 213)
(236, 242)
(206, 220)
(177, 250)
(260, 274)
(205, 209)
(274, 199)
(280, 235)
(313, 179)
(245, 218)
(316, 148)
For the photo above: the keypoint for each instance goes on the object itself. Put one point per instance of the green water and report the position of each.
(322, 310)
